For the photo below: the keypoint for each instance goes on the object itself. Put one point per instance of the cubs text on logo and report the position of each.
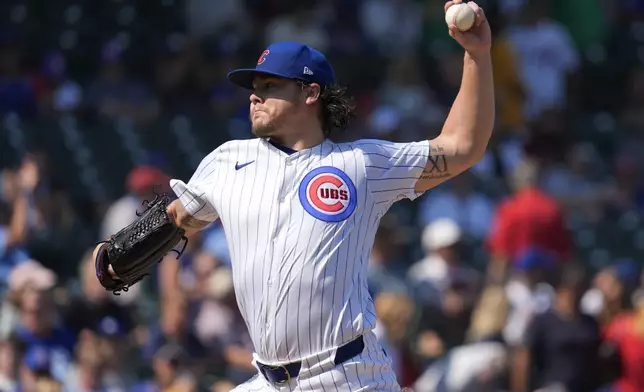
(328, 194)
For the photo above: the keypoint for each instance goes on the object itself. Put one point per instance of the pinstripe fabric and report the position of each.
(300, 275)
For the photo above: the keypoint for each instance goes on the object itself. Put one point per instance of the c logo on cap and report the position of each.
(328, 194)
(262, 57)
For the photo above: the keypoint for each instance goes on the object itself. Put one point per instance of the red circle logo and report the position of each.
(328, 194)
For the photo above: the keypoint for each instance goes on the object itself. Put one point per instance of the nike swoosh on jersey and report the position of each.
(243, 165)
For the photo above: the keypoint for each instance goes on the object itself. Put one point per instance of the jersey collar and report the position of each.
(292, 154)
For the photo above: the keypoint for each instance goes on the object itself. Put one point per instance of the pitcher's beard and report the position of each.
(268, 126)
(263, 130)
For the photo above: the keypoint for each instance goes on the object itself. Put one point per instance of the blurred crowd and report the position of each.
(522, 274)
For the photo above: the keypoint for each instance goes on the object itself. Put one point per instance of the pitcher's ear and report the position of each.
(313, 92)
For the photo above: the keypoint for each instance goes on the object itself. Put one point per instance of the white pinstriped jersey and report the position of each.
(300, 228)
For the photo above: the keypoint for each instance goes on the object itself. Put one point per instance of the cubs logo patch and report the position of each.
(328, 194)
(262, 57)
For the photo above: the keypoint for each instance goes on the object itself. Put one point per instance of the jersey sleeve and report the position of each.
(392, 169)
(196, 195)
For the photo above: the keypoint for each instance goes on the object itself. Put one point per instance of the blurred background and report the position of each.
(521, 274)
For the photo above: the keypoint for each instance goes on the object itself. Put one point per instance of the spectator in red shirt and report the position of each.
(627, 333)
(528, 219)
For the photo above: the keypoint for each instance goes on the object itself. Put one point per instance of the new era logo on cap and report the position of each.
(290, 60)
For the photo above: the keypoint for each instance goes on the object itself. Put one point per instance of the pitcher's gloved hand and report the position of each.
(131, 254)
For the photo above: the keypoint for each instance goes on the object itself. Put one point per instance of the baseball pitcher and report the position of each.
(300, 213)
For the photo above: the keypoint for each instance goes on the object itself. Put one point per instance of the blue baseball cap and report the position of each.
(290, 60)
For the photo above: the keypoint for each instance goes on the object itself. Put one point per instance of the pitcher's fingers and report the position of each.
(473, 5)
(480, 17)
(480, 14)
(451, 3)
(455, 33)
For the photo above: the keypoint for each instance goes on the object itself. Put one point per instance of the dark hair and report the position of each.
(337, 109)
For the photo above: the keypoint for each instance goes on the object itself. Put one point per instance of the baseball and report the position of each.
(462, 15)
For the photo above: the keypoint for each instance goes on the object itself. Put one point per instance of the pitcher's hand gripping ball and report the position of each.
(461, 15)
(133, 252)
